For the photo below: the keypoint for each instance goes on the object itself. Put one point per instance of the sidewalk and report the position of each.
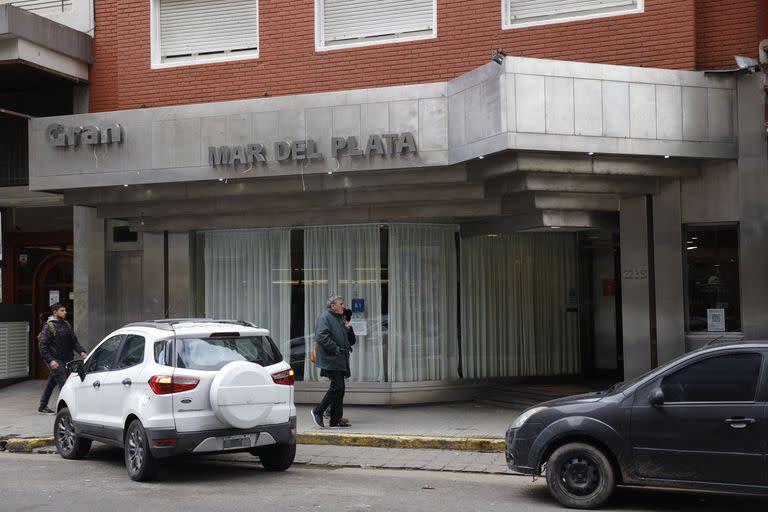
(469, 435)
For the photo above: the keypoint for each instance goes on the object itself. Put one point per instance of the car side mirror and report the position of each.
(77, 366)
(656, 397)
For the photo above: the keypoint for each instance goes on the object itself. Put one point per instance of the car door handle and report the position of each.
(96, 384)
(740, 422)
(126, 382)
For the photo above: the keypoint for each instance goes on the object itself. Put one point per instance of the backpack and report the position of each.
(52, 328)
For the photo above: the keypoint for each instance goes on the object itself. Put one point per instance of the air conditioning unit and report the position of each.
(14, 350)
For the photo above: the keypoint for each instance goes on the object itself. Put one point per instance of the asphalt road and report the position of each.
(32, 482)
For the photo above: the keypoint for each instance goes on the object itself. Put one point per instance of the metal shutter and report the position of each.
(14, 350)
(522, 11)
(42, 7)
(207, 27)
(347, 20)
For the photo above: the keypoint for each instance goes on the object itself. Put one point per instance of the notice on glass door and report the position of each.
(53, 297)
(716, 320)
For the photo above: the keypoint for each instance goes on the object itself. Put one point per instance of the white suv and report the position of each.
(172, 387)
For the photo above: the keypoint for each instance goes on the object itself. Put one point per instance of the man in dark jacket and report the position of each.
(57, 342)
(333, 350)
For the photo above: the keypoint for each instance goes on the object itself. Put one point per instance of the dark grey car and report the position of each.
(698, 422)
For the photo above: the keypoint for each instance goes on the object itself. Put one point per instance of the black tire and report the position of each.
(278, 457)
(68, 443)
(580, 476)
(139, 462)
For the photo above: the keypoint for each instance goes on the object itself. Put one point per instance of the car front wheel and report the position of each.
(139, 462)
(69, 444)
(277, 457)
(580, 476)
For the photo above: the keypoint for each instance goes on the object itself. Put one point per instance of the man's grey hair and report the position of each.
(332, 299)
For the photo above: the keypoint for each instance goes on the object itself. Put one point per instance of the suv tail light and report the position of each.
(284, 377)
(166, 384)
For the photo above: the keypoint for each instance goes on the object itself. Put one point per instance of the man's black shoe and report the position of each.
(341, 425)
(318, 419)
(44, 410)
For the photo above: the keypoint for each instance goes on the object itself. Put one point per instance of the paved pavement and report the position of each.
(478, 420)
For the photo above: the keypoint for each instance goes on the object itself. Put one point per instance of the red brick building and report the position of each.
(671, 34)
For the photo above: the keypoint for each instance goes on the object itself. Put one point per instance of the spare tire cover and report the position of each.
(242, 394)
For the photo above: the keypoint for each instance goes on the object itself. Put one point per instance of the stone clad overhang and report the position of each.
(35, 41)
(522, 146)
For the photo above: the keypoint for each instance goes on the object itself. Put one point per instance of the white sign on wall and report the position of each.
(716, 320)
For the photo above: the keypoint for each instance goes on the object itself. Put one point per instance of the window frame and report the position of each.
(120, 338)
(758, 385)
(320, 45)
(507, 24)
(156, 60)
(686, 228)
(124, 347)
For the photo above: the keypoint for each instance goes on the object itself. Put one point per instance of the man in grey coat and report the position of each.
(333, 350)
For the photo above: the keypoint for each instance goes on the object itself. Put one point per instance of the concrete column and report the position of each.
(88, 276)
(668, 270)
(753, 209)
(180, 290)
(153, 276)
(635, 303)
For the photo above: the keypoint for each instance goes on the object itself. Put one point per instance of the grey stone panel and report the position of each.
(695, 114)
(374, 118)
(457, 122)
(530, 103)
(186, 149)
(291, 125)
(433, 124)
(669, 112)
(559, 105)
(318, 121)
(404, 116)
(615, 109)
(347, 121)
(642, 111)
(475, 113)
(588, 107)
(720, 118)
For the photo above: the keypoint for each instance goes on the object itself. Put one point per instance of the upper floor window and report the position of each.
(200, 31)
(524, 13)
(343, 23)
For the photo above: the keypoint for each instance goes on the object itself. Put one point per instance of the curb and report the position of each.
(473, 444)
(26, 444)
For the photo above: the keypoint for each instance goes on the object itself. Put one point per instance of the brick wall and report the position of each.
(468, 30)
(724, 29)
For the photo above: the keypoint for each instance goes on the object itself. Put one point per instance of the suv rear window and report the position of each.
(214, 353)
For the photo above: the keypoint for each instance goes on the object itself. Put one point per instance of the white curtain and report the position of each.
(346, 261)
(248, 277)
(518, 305)
(422, 338)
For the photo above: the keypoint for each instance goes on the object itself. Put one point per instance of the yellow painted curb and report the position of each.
(27, 444)
(473, 444)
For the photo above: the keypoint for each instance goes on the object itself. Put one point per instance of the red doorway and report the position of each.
(34, 265)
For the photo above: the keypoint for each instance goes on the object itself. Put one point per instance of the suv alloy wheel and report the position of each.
(278, 457)
(69, 445)
(139, 462)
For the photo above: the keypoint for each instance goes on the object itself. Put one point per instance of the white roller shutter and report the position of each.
(191, 28)
(527, 11)
(42, 7)
(14, 350)
(345, 21)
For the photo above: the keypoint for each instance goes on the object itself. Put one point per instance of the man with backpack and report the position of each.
(57, 342)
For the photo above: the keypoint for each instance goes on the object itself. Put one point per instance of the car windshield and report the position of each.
(213, 353)
(620, 387)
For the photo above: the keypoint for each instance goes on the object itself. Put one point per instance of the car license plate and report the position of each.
(241, 441)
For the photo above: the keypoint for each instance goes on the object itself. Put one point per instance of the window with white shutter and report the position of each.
(190, 31)
(342, 23)
(14, 350)
(42, 7)
(523, 13)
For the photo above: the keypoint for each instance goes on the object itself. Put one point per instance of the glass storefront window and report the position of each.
(712, 267)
